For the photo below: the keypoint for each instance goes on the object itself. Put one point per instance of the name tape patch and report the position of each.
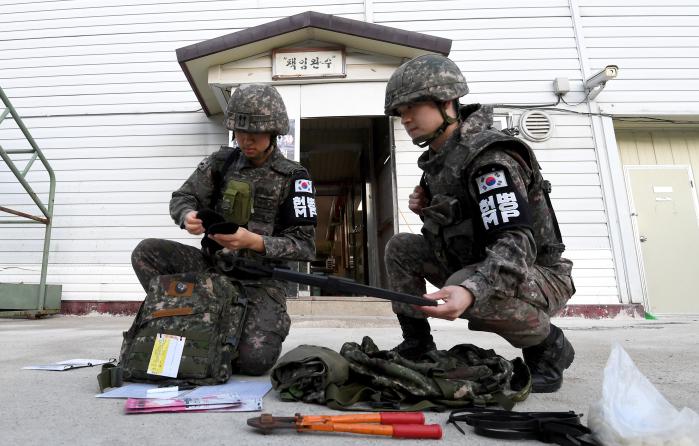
(499, 209)
(304, 207)
(500, 204)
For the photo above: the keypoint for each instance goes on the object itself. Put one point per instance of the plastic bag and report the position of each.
(633, 412)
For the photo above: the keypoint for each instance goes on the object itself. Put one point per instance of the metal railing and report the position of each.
(46, 210)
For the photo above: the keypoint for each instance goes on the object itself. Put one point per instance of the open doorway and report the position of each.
(349, 159)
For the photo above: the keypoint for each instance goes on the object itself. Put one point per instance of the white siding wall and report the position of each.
(100, 89)
(656, 46)
(509, 50)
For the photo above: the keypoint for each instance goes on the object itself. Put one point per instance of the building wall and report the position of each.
(656, 46)
(101, 91)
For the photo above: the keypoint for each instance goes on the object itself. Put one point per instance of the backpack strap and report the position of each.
(110, 376)
(218, 175)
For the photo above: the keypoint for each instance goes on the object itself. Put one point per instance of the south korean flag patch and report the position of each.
(303, 186)
(491, 180)
(500, 204)
(299, 208)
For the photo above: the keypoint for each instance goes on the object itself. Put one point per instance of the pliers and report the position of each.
(390, 424)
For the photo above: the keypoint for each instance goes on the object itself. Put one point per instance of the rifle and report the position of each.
(274, 269)
(243, 267)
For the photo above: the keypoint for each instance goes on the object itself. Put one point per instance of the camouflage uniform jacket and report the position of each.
(488, 208)
(273, 216)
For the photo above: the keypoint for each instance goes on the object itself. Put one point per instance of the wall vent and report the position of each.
(536, 125)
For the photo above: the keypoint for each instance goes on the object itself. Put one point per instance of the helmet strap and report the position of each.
(271, 146)
(425, 140)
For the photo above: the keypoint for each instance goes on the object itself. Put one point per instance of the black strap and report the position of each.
(218, 175)
(562, 428)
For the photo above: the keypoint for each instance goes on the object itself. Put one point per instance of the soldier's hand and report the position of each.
(417, 200)
(456, 300)
(241, 239)
(192, 224)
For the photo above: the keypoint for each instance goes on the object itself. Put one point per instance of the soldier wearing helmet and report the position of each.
(272, 200)
(490, 240)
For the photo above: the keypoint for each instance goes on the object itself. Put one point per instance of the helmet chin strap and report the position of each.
(425, 140)
(271, 146)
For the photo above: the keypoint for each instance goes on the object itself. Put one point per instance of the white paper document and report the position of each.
(249, 392)
(68, 364)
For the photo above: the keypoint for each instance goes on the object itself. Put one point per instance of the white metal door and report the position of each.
(665, 210)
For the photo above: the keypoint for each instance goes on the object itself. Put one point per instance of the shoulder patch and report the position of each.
(491, 180)
(299, 207)
(500, 204)
(303, 185)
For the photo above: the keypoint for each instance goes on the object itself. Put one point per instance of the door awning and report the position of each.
(196, 59)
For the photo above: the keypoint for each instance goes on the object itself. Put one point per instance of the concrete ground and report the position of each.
(59, 408)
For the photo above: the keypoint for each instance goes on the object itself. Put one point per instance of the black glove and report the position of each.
(214, 223)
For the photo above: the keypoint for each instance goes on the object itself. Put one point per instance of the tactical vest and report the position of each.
(448, 222)
(265, 190)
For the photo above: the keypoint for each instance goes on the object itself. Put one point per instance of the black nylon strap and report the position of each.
(562, 428)
(217, 177)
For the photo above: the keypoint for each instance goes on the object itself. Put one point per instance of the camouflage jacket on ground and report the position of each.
(273, 186)
(488, 207)
(364, 377)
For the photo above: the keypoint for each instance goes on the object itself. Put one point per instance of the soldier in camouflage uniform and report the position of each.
(490, 239)
(256, 187)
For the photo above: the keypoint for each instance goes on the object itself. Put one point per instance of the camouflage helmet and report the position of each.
(257, 108)
(430, 77)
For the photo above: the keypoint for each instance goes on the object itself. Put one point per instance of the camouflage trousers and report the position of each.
(267, 322)
(521, 317)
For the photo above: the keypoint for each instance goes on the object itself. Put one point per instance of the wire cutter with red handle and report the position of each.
(390, 424)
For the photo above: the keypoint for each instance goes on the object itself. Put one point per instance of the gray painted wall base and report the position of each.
(25, 296)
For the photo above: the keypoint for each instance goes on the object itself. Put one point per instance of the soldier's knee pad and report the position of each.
(145, 246)
(256, 365)
(399, 242)
(256, 358)
(535, 336)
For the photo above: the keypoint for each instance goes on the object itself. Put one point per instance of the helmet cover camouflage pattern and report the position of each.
(430, 77)
(257, 108)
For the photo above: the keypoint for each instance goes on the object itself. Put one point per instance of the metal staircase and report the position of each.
(21, 299)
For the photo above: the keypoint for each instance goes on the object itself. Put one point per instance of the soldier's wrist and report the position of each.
(183, 217)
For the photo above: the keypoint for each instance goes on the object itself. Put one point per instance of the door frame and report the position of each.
(634, 216)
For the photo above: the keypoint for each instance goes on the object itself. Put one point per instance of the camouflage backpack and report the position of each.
(202, 312)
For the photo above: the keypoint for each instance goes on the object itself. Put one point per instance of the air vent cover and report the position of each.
(536, 125)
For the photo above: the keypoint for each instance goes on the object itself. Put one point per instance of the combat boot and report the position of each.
(547, 360)
(417, 339)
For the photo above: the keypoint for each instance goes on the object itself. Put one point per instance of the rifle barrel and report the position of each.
(338, 284)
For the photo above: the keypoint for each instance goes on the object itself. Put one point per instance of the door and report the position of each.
(665, 214)
(348, 159)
